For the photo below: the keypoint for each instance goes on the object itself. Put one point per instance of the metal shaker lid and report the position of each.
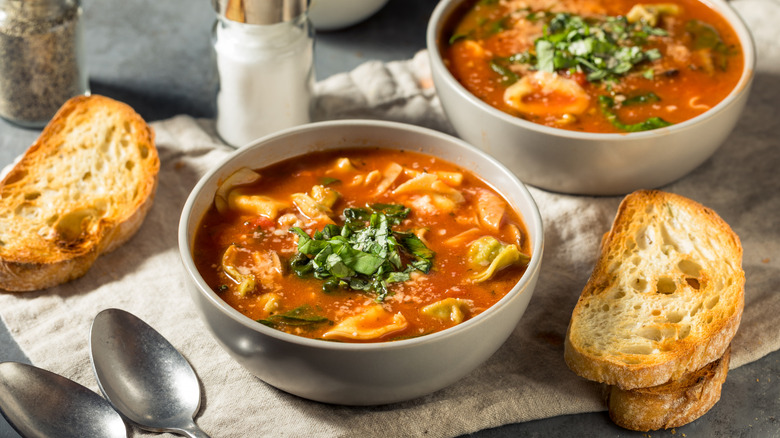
(260, 11)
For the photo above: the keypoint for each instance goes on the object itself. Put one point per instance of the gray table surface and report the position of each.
(156, 56)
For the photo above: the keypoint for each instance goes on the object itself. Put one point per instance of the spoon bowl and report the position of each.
(39, 403)
(142, 375)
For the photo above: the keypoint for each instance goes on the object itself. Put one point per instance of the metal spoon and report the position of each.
(39, 403)
(143, 376)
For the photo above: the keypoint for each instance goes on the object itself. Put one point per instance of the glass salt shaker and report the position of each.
(42, 66)
(264, 52)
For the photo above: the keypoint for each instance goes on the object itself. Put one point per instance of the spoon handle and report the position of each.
(192, 431)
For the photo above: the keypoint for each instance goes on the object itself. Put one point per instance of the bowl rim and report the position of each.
(444, 8)
(534, 221)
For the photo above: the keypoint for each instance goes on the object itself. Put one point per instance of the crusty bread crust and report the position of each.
(82, 189)
(665, 297)
(672, 404)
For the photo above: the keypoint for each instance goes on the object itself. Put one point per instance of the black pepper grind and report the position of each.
(41, 59)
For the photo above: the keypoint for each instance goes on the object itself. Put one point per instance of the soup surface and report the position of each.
(595, 65)
(360, 245)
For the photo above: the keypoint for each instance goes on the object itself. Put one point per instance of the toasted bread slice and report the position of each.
(665, 297)
(83, 188)
(672, 404)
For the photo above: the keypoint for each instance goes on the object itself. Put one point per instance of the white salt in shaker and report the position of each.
(265, 62)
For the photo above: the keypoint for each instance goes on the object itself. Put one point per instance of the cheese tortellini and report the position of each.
(487, 255)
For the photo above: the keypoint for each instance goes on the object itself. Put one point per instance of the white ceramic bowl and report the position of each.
(360, 374)
(588, 163)
(338, 14)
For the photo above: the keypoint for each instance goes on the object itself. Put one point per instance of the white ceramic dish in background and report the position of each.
(360, 374)
(338, 14)
(588, 163)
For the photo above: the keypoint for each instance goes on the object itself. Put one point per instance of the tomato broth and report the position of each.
(595, 66)
(268, 246)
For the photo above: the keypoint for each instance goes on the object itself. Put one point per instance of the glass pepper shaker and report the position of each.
(42, 66)
(264, 51)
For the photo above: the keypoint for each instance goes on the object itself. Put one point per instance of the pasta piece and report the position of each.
(325, 195)
(452, 179)
(289, 220)
(559, 95)
(452, 309)
(465, 237)
(257, 205)
(269, 302)
(442, 197)
(371, 324)
(311, 209)
(240, 177)
(487, 256)
(650, 13)
(344, 165)
(490, 210)
(372, 177)
(246, 281)
(389, 176)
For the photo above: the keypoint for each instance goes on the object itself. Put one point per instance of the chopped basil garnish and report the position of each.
(326, 181)
(603, 49)
(607, 104)
(508, 77)
(365, 254)
(300, 316)
(641, 99)
(706, 37)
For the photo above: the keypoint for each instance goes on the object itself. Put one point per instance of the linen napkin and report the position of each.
(526, 379)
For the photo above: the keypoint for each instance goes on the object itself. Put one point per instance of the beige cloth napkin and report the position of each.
(526, 379)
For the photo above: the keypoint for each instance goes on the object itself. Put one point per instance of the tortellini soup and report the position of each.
(360, 245)
(595, 65)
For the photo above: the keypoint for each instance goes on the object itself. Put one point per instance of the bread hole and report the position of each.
(685, 330)
(712, 302)
(605, 308)
(650, 208)
(674, 317)
(665, 285)
(656, 312)
(645, 237)
(16, 176)
(126, 126)
(144, 152)
(692, 282)
(637, 349)
(667, 238)
(26, 210)
(51, 220)
(31, 196)
(650, 333)
(129, 164)
(708, 319)
(640, 284)
(695, 310)
(689, 268)
(636, 260)
(72, 225)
